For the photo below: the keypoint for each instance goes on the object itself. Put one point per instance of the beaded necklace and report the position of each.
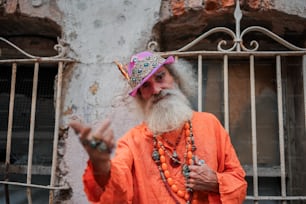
(174, 158)
(158, 155)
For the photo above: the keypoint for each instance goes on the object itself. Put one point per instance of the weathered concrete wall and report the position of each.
(179, 7)
(297, 7)
(98, 33)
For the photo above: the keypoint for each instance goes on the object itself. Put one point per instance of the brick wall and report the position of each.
(179, 7)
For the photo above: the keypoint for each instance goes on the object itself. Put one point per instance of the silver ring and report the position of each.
(96, 143)
(102, 147)
(201, 162)
(93, 143)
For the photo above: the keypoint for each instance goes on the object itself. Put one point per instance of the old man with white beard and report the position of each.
(176, 155)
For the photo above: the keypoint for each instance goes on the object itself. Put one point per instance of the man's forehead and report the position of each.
(161, 69)
(156, 74)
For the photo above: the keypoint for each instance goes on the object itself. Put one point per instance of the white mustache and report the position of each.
(157, 97)
(163, 93)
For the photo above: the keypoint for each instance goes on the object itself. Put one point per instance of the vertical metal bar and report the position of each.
(238, 16)
(281, 125)
(11, 114)
(32, 127)
(56, 129)
(226, 102)
(9, 130)
(304, 82)
(200, 73)
(254, 134)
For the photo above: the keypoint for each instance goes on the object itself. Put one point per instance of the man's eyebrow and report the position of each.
(160, 72)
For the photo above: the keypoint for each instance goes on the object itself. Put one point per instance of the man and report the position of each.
(175, 156)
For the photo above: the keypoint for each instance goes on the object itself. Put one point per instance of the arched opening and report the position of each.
(34, 37)
(177, 31)
(275, 108)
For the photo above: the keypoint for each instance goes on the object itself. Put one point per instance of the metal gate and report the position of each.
(59, 62)
(239, 49)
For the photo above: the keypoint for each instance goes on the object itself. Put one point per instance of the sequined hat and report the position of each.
(141, 67)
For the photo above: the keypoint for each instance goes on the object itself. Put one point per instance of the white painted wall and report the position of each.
(99, 32)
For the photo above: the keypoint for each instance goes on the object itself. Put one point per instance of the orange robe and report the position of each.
(135, 177)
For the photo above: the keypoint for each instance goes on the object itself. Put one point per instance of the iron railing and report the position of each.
(59, 61)
(239, 49)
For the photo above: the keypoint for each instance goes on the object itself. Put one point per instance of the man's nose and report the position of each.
(156, 89)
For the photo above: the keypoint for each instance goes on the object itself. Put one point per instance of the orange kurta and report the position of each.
(135, 177)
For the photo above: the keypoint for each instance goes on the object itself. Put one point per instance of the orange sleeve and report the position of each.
(230, 174)
(91, 188)
(119, 188)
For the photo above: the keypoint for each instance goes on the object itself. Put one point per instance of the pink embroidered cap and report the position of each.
(141, 67)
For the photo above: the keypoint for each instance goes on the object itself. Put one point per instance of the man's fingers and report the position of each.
(198, 171)
(76, 126)
(109, 138)
(102, 139)
(79, 128)
(105, 133)
(103, 127)
(85, 132)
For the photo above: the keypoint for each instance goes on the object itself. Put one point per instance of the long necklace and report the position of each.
(174, 158)
(158, 155)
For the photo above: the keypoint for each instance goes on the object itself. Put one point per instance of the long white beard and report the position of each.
(169, 113)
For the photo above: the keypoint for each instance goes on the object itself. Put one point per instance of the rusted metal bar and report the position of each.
(234, 54)
(60, 47)
(282, 198)
(32, 127)
(56, 128)
(254, 134)
(22, 169)
(281, 125)
(11, 114)
(40, 60)
(35, 185)
(9, 131)
(273, 171)
(304, 82)
(200, 85)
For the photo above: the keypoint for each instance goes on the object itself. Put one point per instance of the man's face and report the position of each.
(165, 106)
(162, 79)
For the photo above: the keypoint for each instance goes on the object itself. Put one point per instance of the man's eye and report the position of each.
(145, 85)
(160, 76)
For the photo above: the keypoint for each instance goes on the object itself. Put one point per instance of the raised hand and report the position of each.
(98, 144)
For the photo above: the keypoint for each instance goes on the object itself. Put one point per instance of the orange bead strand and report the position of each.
(170, 181)
(163, 166)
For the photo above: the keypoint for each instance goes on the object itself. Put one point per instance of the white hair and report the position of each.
(184, 76)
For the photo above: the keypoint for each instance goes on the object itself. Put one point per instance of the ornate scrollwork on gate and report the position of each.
(61, 48)
(236, 37)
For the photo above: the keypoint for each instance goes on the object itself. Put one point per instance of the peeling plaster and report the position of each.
(94, 88)
(99, 33)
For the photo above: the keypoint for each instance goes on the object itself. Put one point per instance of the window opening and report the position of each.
(30, 92)
(258, 91)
